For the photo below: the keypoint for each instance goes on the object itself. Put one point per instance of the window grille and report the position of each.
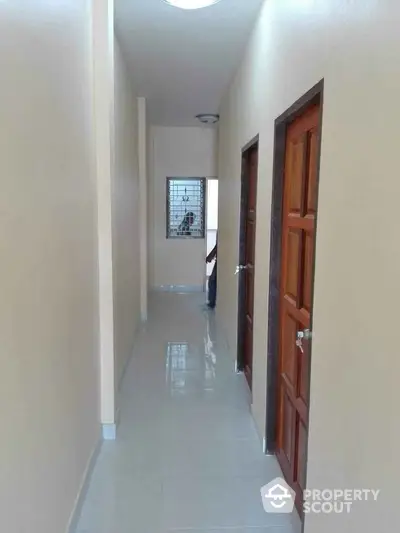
(186, 208)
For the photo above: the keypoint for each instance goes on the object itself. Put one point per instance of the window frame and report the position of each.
(203, 185)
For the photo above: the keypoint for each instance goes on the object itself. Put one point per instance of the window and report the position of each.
(186, 208)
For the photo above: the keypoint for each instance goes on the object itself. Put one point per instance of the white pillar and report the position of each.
(103, 73)
(142, 150)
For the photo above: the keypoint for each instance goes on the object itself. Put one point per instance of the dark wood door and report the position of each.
(249, 207)
(297, 263)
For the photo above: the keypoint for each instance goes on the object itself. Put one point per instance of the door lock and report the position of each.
(299, 345)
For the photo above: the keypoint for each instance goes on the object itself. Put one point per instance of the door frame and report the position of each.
(242, 253)
(241, 320)
(313, 96)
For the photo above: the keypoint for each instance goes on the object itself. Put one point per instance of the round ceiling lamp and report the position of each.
(208, 118)
(191, 4)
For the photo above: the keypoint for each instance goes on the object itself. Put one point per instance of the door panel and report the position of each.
(308, 272)
(288, 359)
(294, 256)
(301, 465)
(311, 205)
(249, 204)
(288, 413)
(297, 260)
(296, 154)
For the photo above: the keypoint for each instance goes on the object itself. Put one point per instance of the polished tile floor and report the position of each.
(187, 458)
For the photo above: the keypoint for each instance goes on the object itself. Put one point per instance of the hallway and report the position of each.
(187, 456)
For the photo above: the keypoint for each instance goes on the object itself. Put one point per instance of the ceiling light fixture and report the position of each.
(208, 118)
(191, 4)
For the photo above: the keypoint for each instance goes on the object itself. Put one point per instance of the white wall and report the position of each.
(179, 153)
(48, 267)
(354, 424)
(125, 187)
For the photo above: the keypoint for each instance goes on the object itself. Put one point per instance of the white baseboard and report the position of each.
(185, 289)
(77, 509)
(109, 431)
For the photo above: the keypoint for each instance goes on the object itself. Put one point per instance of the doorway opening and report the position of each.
(292, 258)
(212, 222)
(246, 266)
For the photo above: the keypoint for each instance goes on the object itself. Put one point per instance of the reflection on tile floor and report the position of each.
(187, 458)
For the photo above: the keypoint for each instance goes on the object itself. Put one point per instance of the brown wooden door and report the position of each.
(298, 239)
(250, 177)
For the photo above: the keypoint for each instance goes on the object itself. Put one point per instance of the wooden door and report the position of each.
(249, 229)
(297, 263)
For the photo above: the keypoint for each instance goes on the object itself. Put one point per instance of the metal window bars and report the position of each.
(186, 208)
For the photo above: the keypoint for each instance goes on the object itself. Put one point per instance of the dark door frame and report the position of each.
(242, 252)
(313, 96)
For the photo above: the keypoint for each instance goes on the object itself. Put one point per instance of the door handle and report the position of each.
(306, 335)
(240, 268)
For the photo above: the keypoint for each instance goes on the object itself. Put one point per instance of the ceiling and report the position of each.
(183, 61)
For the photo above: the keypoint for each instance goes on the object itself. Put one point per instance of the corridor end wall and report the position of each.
(176, 153)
